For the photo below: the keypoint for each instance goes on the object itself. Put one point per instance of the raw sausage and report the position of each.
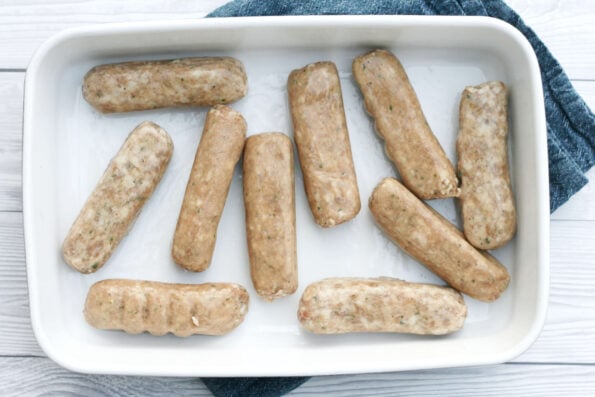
(116, 201)
(342, 305)
(487, 203)
(218, 152)
(158, 308)
(129, 86)
(428, 237)
(322, 141)
(399, 119)
(269, 198)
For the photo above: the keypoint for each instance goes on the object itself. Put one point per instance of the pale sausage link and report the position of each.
(116, 201)
(218, 152)
(487, 203)
(269, 198)
(158, 308)
(322, 141)
(129, 86)
(342, 305)
(431, 239)
(399, 119)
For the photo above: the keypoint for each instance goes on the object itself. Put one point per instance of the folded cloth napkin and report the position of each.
(570, 123)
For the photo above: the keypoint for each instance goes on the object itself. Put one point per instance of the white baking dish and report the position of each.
(67, 145)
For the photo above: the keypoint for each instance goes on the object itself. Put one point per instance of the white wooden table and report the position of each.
(562, 360)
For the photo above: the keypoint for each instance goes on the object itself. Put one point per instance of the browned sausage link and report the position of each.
(116, 201)
(129, 86)
(322, 141)
(342, 305)
(218, 152)
(269, 197)
(487, 203)
(158, 308)
(428, 237)
(399, 119)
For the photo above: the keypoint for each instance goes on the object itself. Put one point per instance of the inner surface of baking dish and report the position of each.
(67, 145)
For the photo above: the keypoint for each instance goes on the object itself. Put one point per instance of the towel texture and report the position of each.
(570, 123)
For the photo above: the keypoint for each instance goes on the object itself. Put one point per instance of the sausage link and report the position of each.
(130, 86)
(487, 203)
(399, 119)
(218, 152)
(269, 198)
(158, 308)
(428, 237)
(116, 201)
(342, 305)
(322, 141)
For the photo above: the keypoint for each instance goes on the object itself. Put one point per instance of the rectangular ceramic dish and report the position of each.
(67, 145)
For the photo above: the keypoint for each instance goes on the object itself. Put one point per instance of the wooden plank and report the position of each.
(500, 380)
(27, 376)
(40, 376)
(566, 337)
(568, 332)
(566, 26)
(11, 139)
(16, 335)
(24, 26)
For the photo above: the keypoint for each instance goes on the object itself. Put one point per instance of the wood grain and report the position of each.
(26, 376)
(16, 335)
(567, 336)
(11, 140)
(498, 380)
(25, 25)
(567, 28)
(31, 375)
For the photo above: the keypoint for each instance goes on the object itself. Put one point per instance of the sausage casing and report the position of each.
(130, 86)
(342, 305)
(322, 140)
(431, 239)
(269, 199)
(218, 152)
(116, 201)
(487, 202)
(158, 308)
(399, 119)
